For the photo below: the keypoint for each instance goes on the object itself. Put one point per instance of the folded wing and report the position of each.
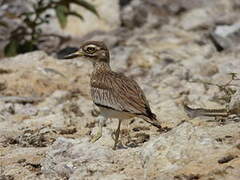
(120, 93)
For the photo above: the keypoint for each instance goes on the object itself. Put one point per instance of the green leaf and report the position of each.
(11, 48)
(27, 46)
(73, 13)
(86, 5)
(61, 12)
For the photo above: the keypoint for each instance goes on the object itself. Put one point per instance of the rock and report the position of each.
(226, 36)
(13, 160)
(154, 14)
(182, 147)
(76, 159)
(234, 105)
(124, 3)
(27, 109)
(36, 74)
(55, 120)
(225, 31)
(206, 14)
(116, 177)
(143, 13)
(56, 98)
(134, 15)
(196, 18)
(120, 57)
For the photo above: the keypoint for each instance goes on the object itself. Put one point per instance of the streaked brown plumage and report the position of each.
(116, 95)
(116, 91)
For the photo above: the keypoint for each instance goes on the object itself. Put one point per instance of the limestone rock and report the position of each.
(36, 74)
(196, 18)
(76, 159)
(184, 146)
(226, 36)
(234, 105)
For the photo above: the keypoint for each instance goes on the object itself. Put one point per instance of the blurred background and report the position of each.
(177, 50)
(27, 25)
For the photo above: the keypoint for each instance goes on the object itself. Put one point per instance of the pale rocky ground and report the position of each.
(170, 52)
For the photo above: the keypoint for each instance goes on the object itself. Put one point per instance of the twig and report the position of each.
(192, 113)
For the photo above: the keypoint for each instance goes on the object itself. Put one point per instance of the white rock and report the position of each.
(234, 105)
(227, 35)
(177, 148)
(226, 30)
(195, 18)
(57, 97)
(76, 159)
(115, 177)
(54, 120)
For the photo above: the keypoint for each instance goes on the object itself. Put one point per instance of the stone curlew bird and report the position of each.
(116, 95)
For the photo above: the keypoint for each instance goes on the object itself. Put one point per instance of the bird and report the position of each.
(116, 95)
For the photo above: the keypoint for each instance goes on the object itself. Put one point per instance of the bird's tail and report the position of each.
(151, 120)
(192, 113)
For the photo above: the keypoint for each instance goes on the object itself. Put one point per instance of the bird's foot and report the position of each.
(115, 137)
(96, 137)
(164, 129)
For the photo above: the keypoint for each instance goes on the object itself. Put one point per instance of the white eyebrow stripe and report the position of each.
(93, 46)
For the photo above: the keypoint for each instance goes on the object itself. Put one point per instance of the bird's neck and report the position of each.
(101, 66)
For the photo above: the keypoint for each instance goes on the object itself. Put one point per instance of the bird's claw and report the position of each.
(96, 137)
(113, 135)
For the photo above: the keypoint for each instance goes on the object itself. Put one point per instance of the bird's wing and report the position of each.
(118, 92)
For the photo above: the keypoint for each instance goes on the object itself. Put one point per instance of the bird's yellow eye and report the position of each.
(91, 49)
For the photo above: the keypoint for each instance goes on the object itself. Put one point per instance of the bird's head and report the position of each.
(92, 50)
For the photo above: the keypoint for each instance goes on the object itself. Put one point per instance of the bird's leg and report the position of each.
(117, 134)
(97, 136)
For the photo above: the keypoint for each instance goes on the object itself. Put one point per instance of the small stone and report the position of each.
(234, 105)
(227, 36)
(76, 159)
(195, 18)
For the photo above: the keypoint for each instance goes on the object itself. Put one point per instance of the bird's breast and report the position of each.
(110, 113)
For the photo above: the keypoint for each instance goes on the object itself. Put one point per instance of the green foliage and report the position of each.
(61, 12)
(86, 5)
(11, 48)
(26, 36)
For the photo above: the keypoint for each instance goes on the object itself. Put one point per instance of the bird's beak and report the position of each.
(78, 53)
